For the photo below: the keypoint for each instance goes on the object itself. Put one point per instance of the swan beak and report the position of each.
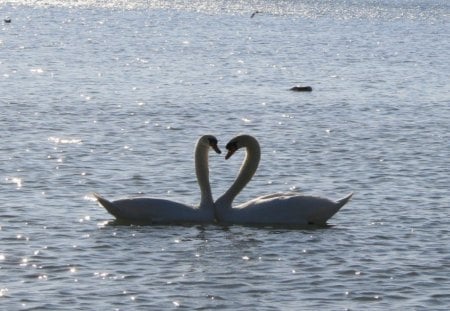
(230, 152)
(216, 149)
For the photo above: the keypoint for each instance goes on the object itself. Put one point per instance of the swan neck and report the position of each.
(246, 172)
(202, 172)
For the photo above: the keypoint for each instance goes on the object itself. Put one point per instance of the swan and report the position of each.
(274, 209)
(162, 211)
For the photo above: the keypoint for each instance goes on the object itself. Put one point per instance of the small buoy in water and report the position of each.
(7, 20)
(301, 89)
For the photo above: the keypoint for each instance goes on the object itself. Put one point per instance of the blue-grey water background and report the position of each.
(111, 96)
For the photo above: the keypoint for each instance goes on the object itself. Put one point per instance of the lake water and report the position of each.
(111, 96)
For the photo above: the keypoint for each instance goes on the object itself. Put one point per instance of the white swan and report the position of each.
(161, 211)
(273, 209)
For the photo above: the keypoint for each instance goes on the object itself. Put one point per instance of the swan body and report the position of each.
(162, 211)
(274, 209)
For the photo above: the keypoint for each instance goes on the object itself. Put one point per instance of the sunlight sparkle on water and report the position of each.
(14, 180)
(3, 292)
(24, 262)
(36, 70)
(59, 140)
(102, 224)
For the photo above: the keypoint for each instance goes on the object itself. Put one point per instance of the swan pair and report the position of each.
(272, 209)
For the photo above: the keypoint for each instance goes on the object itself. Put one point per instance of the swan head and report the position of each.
(211, 141)
(232, 147)
(239, 142)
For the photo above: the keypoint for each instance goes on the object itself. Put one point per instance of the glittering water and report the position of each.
(110, 96)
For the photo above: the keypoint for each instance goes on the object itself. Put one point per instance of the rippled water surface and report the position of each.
(110, 96)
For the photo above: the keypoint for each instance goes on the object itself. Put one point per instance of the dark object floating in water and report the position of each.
(301, 89)
(7, 20)
(254, 13)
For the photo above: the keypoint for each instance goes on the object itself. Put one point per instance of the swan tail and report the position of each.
(344, 200)
(108, 205)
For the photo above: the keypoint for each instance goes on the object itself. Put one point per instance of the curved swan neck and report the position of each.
(202, 172)
(246, 172)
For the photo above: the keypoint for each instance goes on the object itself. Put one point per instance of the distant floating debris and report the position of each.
(298, 88)
(254, 13)
(7, 20)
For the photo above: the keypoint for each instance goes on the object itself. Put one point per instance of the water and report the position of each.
(110, 96)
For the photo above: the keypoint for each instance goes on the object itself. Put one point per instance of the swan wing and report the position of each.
(152, 211)
(290, 209)
(280, 195)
